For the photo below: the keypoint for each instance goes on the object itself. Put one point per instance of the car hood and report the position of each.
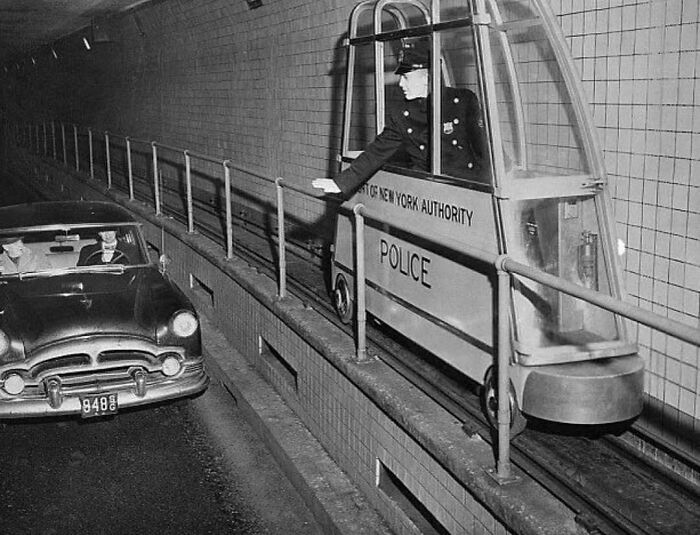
(40, 311)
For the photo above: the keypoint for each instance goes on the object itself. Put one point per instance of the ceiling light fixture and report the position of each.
(86, 43)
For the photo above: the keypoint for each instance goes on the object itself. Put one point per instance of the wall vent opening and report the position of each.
(278, 364)
(412, 507)
(203, 292)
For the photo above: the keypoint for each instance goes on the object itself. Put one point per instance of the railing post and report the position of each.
(188, 192)
(46, 141)
(92, 161)
(77, 154)
(63, 139)
(53, 138)
(503, 473)
(130, 168)
(156, 186)
(360, 282)
(281, 239)
(229, 223)
(108, 161)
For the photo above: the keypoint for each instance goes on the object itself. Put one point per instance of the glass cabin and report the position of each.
(540, 173)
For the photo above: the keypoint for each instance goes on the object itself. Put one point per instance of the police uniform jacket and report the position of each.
(408, 129)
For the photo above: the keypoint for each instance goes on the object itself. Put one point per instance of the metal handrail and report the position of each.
(504, 265)
(650, 319)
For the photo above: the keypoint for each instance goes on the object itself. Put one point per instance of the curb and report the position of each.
(336, 503)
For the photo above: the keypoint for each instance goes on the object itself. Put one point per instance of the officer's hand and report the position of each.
(328, 185)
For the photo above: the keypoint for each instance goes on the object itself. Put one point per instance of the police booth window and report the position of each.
(391, 86)
(382, 99)
(553, 218)
(407, 102)
(362, 106)
(463, 141)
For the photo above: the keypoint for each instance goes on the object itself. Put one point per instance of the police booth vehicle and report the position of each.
(537, 192)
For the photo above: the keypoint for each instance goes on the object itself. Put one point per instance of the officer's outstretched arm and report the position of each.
(328, 185)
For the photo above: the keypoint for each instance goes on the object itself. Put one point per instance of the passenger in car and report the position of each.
(463, 145)
(18, 258)
(106, 251)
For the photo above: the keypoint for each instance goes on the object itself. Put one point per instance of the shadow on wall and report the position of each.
(323, 228)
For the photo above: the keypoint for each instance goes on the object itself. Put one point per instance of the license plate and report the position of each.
(98, 405)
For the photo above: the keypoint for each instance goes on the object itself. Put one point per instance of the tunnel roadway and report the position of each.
(189, 466)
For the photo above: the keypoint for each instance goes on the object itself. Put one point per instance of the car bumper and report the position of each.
(40, 406)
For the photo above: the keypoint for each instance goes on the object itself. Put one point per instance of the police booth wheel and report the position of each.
(342, 300)
(489, 404)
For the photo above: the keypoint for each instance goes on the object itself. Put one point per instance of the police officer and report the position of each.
(408, 129)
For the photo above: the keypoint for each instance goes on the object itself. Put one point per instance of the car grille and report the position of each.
(122, 356)
(100, 367)
(105, 362)
(69, 361)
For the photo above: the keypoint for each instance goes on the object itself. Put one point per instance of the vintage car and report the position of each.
(89, 324)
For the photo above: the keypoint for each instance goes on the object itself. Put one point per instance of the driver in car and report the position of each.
(107, 251)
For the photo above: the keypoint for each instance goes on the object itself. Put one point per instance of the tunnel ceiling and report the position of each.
(28, 25)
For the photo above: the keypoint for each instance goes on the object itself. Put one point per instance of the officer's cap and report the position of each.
(414, 55)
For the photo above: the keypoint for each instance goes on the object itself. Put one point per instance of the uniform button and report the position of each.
(405, 113)
(456, 100)
(455, 121)
(410, 130)
(422, 147)
(454, 141)
(470, 165)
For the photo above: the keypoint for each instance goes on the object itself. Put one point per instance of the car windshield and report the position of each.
(58, 250)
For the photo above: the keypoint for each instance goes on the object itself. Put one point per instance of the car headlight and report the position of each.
(184, 323)
(4, 343)
(13, 384)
